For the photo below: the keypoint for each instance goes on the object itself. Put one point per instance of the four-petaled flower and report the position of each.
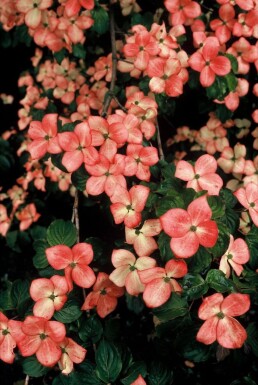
(236, 255)
(218, 313)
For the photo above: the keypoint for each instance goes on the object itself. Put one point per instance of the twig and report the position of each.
(119, 104)
(27, 380)
(75, 216)
(161, 153)
(110, 95)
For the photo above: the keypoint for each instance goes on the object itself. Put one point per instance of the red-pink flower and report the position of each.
(248, 197)
(75, 263)
(223, 26)
(41, 337)
(33, 10)
(182, 10)
(142, 239)
(218, 313)
(127, 205)
(139, 159)
(71, 353)
(160, 282)
(190, 228)
(27, 216)
(72, 7)
(236, 255)
(10, 332)
(127, 269)
(78, 148)
(50, 295)
(202, 176)
(104, 296)
(209, 63)
(44, 137)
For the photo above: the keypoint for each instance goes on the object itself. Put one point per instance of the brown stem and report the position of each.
(75, 216)
(110, 95)
(161, 153)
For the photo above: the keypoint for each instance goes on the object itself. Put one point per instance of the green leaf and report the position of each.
(64, 380)
(146, 19)
(40, 260)
(60, 55)
(200, 262)
(233, 61)
(113, 330)
(222, 243)
(231, 81)
(101, 250)
(91, 329)
(169, 202)
(57, 162)
(20, 295)
(244, 381)
(61, 232)
(79, 178)
(68, 127)
(134, 371)
(173, 308)
(194, 286)
(164, 247)
(37, 232)
(216, 280)
(101, 20)
(86, 374)
(33, 368)
(217, 206)
(231, 220)
(69, 313)
(108, 360)
(79, 51)
(252, 242)
(252, 337)
(159, 374)
(6, 302)
(144, 84)
(134, 304)
(223, 113)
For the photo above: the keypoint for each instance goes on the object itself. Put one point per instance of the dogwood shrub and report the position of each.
(129, 193)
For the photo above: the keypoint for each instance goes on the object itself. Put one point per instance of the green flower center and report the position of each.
(42, 336)
(220, 315)
(5, 332)
(193, 228)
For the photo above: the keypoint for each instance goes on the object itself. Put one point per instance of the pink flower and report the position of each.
(160, 282)
(27, 216)
(248, 197)
(104, 296)
(127, 270)
(127, 205)
(10, 332)
(75, 263)
(41, 337)
(71, 353)
(219, 324)
(44, 137)
(190, 228)
(236, 255)
(50, 295)
(209, 63)
(202, 176)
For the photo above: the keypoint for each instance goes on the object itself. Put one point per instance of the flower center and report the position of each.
(103, 292)
(42, 336)
(5, 332)
(193, 228)
(132, 268)
(220, 315)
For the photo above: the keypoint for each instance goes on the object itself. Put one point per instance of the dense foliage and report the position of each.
(129, 192)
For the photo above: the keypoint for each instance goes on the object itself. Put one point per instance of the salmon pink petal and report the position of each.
(185, 246)
(87, 4)
(207, 334)
(106, 305)
(212, 183)
(36, 131)
(29, 345)
(72, 160)
(59, 256)
(210, 49)
(176, 222)
(33, 18)
(156, 68)
(156, 293)
(184, 171)
(40, 288)
(118, 276)
(142, 60)
(151, 227)
(38, 148)
(174, 86)
(235, 304)
(210, 306)
(176, 268)
(207, 233)
(207, 76)
(139, 195)
(224, 266)
(221, 65)
(72, 7)
(133, 283)
(144, 246)
(131, 50)
(205, 164)
(132, 219)
(241, 196)
(53, 146)
(122, 257)
(95, 185)
(148, 275)
(44, 307)
(111, 183)
(236, 267)
(240, 251)
(118, 133)
(199, 211)
(33, 325)
(6, 349)
(49, 124)
(119, 212)
(230, 333)
(83, 253)
(109, 149)
(68, 141)
(197, 62)
(48, 353)
(157, 85)
(83, 276)
(55, 330)
(252, 192)
(144, 263)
